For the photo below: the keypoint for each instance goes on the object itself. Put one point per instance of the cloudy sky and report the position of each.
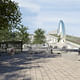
(46, 14)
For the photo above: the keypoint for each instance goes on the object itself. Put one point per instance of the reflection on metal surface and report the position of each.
(61, 29)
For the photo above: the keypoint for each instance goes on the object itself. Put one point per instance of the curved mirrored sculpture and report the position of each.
(61, 31)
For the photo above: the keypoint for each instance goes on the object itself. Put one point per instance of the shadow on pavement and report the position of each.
(10, 64)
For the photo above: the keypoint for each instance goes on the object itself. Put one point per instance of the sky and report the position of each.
(46, 14)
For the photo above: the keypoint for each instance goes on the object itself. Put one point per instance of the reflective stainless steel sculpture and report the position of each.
(61, 31)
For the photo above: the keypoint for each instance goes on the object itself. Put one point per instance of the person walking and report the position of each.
(51, 49)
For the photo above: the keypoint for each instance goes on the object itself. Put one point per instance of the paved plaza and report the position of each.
(41, 66)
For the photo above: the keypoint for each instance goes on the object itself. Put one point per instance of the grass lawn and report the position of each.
(70, 38)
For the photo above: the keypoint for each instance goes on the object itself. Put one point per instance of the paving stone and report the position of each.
(29, 67)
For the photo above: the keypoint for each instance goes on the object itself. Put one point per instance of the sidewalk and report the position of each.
(38, 67)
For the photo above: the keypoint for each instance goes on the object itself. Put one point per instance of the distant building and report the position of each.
(60, 32)
(31, 36)
(50, 39)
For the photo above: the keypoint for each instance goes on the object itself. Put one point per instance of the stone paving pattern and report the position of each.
(38, 67)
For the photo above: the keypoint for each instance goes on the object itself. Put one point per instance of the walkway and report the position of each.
(38, 67)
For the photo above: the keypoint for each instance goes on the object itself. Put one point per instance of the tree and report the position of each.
(10, 16)
(22, 34)
(5, 35)
(39, 37)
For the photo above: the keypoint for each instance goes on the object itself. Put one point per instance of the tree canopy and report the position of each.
(10, 16)
(39, 37)
(22, 34)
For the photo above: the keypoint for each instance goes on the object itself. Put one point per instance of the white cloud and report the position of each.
(59, 1)
(33, 7)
